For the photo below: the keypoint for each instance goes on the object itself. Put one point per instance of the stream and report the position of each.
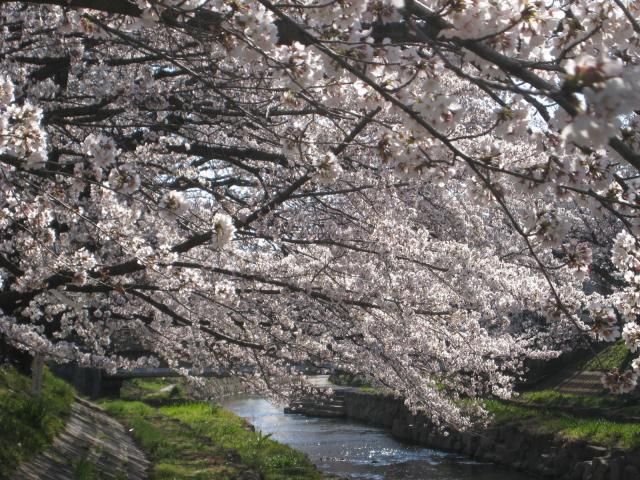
(359, 451)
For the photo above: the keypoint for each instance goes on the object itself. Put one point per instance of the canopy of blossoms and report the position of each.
(427, 192)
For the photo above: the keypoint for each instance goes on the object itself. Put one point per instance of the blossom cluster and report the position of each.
(428, 193)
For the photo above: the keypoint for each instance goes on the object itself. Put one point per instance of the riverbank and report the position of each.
(187, 439)
(197, 440)
(169, 436)
(355, 450)
(546, 444)
(93, 446)
(29, 424)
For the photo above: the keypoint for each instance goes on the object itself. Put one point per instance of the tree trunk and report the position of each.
(37, 369)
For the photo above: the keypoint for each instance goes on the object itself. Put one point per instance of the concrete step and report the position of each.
(320, 401)
(307, 406)
(316, 412)
(582, 383)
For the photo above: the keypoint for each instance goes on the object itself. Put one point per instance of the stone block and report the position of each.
(587, 473)
(578, 471)
(615, 469)
(631, 473)
(600, 468)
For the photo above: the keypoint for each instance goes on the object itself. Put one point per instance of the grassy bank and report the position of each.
(28, 424)
(607, 404)
(607, 420)
(612, 357)
(199, 441)
(593, 429)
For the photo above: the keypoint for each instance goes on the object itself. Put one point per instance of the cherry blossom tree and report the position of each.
(419, 191)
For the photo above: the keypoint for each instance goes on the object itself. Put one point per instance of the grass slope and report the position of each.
(606, 420)
(597, 430)
(200, 441)
(622, 405)
(28, 424)
(613, 357)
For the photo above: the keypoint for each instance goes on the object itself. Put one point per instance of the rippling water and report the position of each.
(358, 451)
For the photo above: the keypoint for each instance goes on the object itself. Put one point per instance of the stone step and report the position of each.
(324, 413)
(579, 391)
(581, 386)
(309, 406)
(583, 379)
(587, 373)
(319, 402)
(316, 412)
(582, 383)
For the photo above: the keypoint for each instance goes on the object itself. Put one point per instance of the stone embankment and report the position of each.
(92, 442)
(543, 455)
(218, 388)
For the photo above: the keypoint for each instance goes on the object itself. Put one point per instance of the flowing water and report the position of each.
(359, 451)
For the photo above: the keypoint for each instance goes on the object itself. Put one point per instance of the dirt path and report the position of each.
(94, 444)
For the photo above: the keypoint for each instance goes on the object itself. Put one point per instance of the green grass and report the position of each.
(582, 417)
(145, 385)
(371, 390)
(622, 406)
(594, 430)
(85, 470)
(613, 357)
(28, 424)
(552, 398)
(274, 460)
(176, 452)
(200, 441)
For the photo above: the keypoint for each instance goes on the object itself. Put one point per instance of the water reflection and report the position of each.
(359, 451)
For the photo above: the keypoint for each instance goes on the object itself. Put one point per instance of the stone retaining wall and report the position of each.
(542, 455)
(217, 389)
